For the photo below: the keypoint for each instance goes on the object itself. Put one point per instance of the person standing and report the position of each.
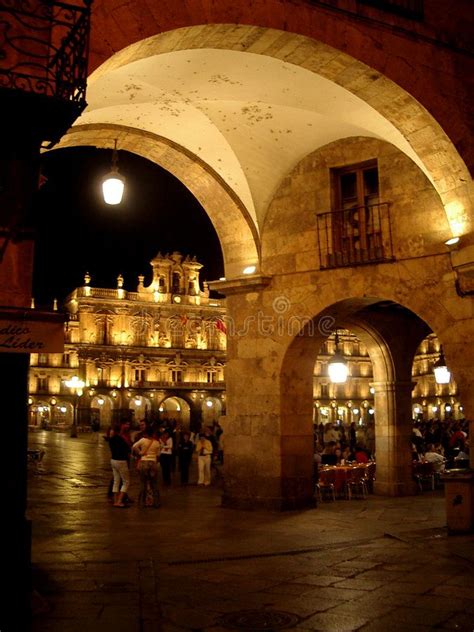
(120, 449)
(148, 450)
(166, 455)
(204, 452)
(185, 454)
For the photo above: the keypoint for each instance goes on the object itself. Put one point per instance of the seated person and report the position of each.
(437, 460)
(461, 460)
(328, 459)
(329, 456)
(361, 454)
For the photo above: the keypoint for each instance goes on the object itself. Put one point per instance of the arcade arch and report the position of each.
(236, 176)
(174, 408)
(211, 410)
(101, 410)
(379, 325)
(263, 211)
(141, 407)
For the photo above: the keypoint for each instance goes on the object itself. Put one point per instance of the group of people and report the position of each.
(155, 447)
(336, 445)
(441, 443)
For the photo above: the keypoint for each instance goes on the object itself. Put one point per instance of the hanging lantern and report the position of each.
(113, 183)
(337, 367)
(441, 371)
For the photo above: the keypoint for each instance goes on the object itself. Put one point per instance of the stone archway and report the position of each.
(177, 409)
(410, 127)
(376, 324)
(230, 219)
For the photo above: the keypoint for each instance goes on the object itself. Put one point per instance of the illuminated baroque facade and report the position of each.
(155, 353)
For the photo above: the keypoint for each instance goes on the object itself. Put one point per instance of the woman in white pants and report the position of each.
(204, 452)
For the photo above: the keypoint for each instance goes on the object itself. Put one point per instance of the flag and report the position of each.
(221, 325)
(42, 180)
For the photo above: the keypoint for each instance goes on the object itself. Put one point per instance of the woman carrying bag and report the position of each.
(148, 450)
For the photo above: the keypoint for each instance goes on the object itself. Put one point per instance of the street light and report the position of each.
(76, 385)
(113, 183)
(441, 371)
(337, 366)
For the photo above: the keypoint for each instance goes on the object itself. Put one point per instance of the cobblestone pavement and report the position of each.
(374, 565)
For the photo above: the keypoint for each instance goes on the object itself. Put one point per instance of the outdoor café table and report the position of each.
(341, 476)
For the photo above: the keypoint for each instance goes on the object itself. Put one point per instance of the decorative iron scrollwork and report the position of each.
(44, 48)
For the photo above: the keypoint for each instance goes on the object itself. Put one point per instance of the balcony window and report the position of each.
(176, 375)
(42, 384)
(139, 375)
(357, 231)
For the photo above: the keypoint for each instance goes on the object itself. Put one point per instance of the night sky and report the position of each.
(76, 232)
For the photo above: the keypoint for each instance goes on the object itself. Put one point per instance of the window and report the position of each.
(324, 390)
(42, 384)
(43, 359)
(211, 377)
(139, 375)
(356, 218)
(176, 283)
(66, 359)
(176, 375)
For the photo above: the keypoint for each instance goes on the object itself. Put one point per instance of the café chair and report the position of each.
(371, 468)
(356, 483)
(424, 473)
(326, 484)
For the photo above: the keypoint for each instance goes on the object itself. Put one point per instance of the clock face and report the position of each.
(177, 299)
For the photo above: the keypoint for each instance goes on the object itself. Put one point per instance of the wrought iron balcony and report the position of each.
(43, 61)
(356, 236)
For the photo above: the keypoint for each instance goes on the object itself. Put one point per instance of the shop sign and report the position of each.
(29, 331)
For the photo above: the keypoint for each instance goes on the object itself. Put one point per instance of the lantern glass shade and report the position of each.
(442, 374)
(441, 371)
(75, 382)
(112, 187)
(337, 369)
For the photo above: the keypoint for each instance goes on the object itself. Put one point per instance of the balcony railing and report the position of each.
(171, 384)
(357, 236)
(44, 49)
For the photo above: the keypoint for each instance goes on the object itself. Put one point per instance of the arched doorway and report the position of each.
(101, 411)
(141, 407)
(391, 335)
(175, 409)
(211, 410)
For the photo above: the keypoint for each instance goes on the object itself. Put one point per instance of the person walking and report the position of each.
(204, 452)
(148, 450)
(185, 455)
(120, 450)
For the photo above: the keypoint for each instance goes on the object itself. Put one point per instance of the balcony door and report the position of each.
(357, 231)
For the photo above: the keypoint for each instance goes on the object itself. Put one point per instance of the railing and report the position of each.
(158, 299)
(355, 236)
(171, 384)
(44, 49)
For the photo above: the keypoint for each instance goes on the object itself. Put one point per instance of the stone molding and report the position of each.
(241, 285)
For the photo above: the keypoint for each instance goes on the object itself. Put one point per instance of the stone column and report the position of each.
(393, 429)
(267, 464)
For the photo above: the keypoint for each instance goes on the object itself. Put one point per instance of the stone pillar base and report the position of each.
(270, 504)
(382, 488)
(288, 494)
